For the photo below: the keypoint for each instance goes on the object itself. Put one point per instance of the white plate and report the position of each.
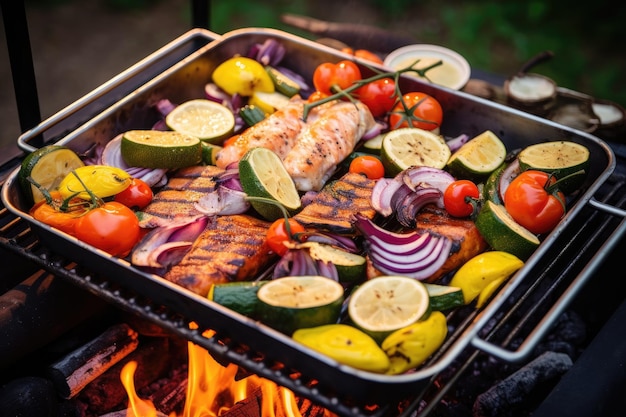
(453, 73)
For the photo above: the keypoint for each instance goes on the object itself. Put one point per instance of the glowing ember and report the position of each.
(212, 390)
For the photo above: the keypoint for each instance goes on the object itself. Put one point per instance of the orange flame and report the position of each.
(212, 389)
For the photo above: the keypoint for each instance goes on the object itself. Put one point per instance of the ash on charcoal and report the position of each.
(519, 393)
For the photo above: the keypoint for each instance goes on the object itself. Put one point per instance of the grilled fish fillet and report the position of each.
(334, 206)
(231, 248)
(325, 142)
(277, 132)
(175, 202)
(467, 242)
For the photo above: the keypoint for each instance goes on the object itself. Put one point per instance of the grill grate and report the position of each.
(554, 273)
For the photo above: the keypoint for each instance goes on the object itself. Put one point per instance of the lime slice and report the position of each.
(503, 233)
(47, 166)
(560, 158)
(350, 266)
(205, 119)
(238, 296)
(262, 174)
(444, 297)
(478, 157)
(388, 303)
(160, 149)
(291, 303)
(268, 102)
(485, 272)
(406, 147)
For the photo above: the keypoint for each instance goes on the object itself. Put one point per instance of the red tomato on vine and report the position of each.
(379, 96)
(417, 110)
(329, 77)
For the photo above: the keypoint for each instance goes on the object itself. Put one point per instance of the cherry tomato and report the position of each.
(460, 198)
(111, 227)
(53, 215)
(329, 77)
(277, 235)
(363, 54)
(136, 196)
(423, 110)
(367, 165)
(532, 202)
(316, 96)
(379, 96)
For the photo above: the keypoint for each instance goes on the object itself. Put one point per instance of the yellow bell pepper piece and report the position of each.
(244, 76)
(346, 344)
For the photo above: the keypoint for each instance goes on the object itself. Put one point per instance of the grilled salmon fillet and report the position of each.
(278, 132)
(175, 202)
(231, 248)
(333, 208)
(467, 242)
(325, 142)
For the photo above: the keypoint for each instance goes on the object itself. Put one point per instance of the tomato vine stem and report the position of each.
(395, 75)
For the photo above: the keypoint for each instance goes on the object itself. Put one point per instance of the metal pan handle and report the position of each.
(120, 85)
(564, 300)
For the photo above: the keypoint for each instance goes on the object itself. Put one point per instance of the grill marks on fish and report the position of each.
(231, 248)
(175, 202)
(333, 208)
(325, 142)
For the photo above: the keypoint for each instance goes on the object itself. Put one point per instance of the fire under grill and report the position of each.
(568, 284)
(581, 246)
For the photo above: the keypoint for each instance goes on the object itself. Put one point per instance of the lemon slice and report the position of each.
(47, 166)
(160, 149)
(262, 174)
(478, 157)
(291, 303)
(205, 119)
(388, 303)
(406, 147)
(559, 158)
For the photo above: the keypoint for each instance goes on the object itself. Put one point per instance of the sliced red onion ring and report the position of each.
(422, 176)
(511, 171)
(382, 194)
(165, 239)
(412, 254)
(455, 143)
(410, 205)
(112, 156)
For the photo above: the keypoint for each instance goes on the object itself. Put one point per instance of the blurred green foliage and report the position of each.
(494, 36)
